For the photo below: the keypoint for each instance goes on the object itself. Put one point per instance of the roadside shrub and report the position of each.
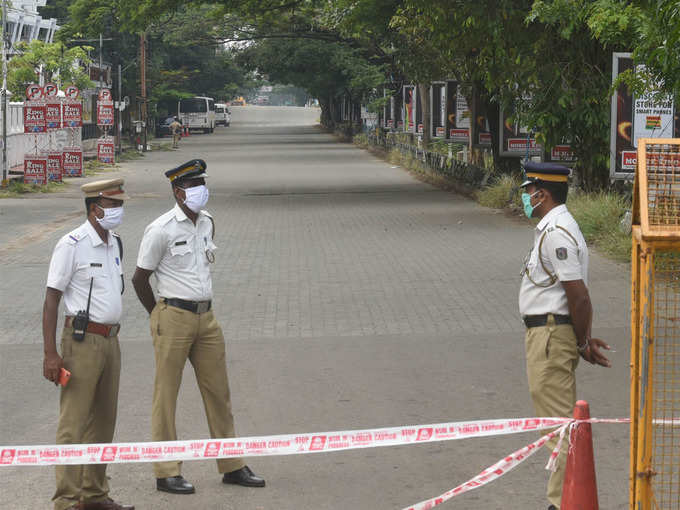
(361, 139)
(599, 216)
(502, 193)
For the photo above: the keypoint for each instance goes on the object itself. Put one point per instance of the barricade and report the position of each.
(296, 444)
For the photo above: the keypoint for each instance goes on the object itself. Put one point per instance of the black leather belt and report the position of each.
(536, 321)
(191, 306)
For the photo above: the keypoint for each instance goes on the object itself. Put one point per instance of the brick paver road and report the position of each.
(351, 296)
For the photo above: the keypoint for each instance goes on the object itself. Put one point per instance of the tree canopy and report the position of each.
(548, 61)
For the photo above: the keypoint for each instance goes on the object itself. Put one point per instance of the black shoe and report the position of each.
(552, 507)
(174, 485)
(244, 477)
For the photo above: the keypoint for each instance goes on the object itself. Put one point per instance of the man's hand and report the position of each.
(593, 353)
(52, 365)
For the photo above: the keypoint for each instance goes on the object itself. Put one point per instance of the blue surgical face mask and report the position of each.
(526, 201)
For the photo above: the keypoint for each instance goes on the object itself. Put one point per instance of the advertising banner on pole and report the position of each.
(105, 150)
(481, 132)
(105, 113)
(398, 109)
(54, 166)
(53, 114)
(35, 169)
(516, 140)
(438, 106)
(458, 121)
(34, 117)
(633, 118)
(73, 114)
(72, 161)
(409, 108)
(388, 119)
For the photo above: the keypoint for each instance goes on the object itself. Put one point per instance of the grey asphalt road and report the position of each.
(351, 296)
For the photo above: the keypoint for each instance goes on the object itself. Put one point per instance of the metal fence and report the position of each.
(446, 165)
(655, 321)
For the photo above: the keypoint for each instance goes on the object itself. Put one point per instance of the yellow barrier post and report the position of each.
(655, 328)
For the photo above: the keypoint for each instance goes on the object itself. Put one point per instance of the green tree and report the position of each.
(55, 62)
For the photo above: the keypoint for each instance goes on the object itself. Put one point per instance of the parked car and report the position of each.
(163, 127)
(222, 114)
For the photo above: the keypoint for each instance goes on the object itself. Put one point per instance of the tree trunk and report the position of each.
(424, 93)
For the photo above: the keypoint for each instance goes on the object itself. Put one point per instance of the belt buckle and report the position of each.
(202, 306)
(113, 330)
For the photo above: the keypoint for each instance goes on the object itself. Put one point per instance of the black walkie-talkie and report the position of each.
(82, 318)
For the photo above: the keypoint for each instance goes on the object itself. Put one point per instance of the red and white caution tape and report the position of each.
(286, 444)
(510, 462)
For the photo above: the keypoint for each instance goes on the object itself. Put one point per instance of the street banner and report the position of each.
(34, 117)
(387, 111)
(516, 140)
(105, 113)
(633, 118)
(54, 166)
(53, 114)
(35, 169)
(105, 150)
(397, 109)
(561, 154)
(72, 162)
(73, 114)
(652, 117)
(481, 132)
(409, 108)
(438, 96)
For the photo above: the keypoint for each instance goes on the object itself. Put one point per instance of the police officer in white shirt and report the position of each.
(554, 303)
(86, 268)
(178, 248)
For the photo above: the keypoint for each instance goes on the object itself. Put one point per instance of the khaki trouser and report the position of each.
(177, 335)
(552, 357)
(88, 407)
(175, 139)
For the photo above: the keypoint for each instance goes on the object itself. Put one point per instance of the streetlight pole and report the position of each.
(4, 93)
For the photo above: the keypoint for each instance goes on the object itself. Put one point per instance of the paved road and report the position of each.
(351, 296)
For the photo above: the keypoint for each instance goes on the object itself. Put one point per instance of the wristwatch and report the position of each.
(584, 347)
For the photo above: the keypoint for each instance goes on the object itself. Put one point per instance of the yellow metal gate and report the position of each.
(655, 326)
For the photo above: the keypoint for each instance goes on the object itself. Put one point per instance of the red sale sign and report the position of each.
(34, 118)
(53, 115)
(104, 113)
(54, 166)
(72, 160)
(35, 169)
(105, 150)
(73, 114)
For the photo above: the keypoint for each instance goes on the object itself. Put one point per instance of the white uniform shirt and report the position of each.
(177, 251)
(563, 255)
(80, 256)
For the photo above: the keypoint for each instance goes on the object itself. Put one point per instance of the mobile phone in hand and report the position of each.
(64, 376)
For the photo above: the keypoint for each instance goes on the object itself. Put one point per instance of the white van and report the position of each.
(197, 113)
(222, 114)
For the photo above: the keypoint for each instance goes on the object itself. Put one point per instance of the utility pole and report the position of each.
(120, 109)
(142, 49)
(101, 43)
(4, 95)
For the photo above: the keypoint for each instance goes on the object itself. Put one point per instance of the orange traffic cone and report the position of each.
(580, 488)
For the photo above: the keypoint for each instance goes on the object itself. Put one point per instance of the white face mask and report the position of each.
(113, 216)
(196, 197)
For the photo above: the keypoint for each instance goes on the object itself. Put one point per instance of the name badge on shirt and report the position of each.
(180, 243)
(95, 264)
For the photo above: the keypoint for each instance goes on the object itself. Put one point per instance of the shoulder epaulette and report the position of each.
(74, 237)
